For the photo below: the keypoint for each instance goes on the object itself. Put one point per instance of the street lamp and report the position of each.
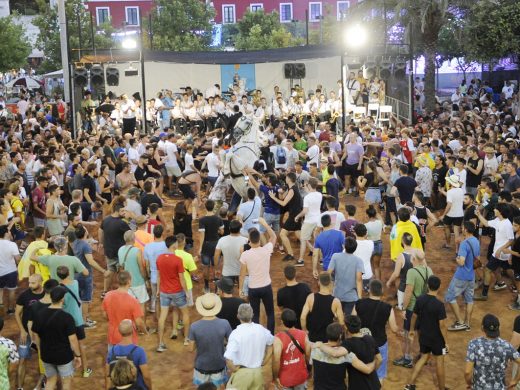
(130, 43)
(354, 38)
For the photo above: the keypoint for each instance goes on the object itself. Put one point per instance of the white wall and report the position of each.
(159, 75)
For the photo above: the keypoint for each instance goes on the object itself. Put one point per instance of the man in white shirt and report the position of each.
(230, 247)
(456, 97)
(212, 161)
(352, 87)
(128, 109)
(212, 91)
(504, 238)
(454, 211)
(9, 257)
(172, 156)
(311, 215)
(508, 89)
(245, 107)
(249, 347)
(312, 155)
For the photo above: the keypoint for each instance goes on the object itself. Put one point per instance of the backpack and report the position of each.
(113, 357)
(281, 155)
(425, 288)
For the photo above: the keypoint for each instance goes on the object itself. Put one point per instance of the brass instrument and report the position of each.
(335, 115)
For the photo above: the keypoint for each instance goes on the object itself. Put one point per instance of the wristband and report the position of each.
(77, 356)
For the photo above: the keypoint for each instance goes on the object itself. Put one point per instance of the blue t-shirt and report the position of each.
(345, 267)
(329, 242)
(70, 304)
(469, 249)
(138, 358)
(80, 249)
(150, 254)
(270, 206)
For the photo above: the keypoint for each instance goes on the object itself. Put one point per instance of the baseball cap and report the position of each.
(491, 325)
(226, 285)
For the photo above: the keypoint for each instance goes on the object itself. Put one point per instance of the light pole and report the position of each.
(354, 38)
(131, 44)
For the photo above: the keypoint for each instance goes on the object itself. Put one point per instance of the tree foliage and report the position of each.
(13, 45)
(258, 30)
(49, 38)
(182, 25)
(495, 26)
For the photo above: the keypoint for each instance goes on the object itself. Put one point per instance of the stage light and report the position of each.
(129, 44)
(355, 36)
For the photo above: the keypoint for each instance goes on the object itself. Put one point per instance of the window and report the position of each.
(256, 7)
(132, 16)
(228, 13)
(102, 15)
(286, 12)
(343, 7)
(314, 12)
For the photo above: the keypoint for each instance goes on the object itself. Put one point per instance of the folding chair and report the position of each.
(373, 110)
(384, 114)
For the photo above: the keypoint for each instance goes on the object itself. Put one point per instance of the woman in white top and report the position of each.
(374, 229)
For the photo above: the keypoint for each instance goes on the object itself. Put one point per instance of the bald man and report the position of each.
(127, 349)
(33, 294)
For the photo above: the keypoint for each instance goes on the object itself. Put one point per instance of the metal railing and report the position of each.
(401, 109)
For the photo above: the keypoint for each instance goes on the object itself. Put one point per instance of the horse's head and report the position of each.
(242, 127)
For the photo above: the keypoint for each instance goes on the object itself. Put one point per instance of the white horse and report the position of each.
(244, 152)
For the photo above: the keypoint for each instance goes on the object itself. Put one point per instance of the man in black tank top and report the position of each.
(292, 202)
(320, 310)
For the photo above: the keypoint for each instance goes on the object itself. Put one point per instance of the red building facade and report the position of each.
(120, 13)
(230, 11)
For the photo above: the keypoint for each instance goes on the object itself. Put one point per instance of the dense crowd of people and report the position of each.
(148, 213)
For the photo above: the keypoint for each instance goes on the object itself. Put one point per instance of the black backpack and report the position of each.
(113, 358)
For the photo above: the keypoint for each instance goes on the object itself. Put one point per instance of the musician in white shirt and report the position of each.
(353, 87)
(212, 91)
(245, 107)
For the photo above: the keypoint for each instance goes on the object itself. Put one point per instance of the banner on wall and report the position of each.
(241, 75)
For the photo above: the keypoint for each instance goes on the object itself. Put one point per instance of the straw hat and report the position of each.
(208, 305)
(453, 181)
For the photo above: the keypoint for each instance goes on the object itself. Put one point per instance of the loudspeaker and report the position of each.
(288, 71)
(97, 76)
(80, 76)
(385, 68)
(299, 71)
(400, 68)
(112, 76)
(370, 68)
(294, 71)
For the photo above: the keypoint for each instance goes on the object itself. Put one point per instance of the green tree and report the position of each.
(496, 28)
(258, 31)
(49, 39)
(182, 25)
(454, 43)
(13, 45)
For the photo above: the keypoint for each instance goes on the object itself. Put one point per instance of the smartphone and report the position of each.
(255, 221)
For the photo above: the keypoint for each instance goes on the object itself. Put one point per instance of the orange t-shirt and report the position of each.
(119, 305)
(142, 238)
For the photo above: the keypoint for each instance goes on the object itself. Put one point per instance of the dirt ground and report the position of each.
(173, 369)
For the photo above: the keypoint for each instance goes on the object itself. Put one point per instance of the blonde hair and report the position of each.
(124, 373)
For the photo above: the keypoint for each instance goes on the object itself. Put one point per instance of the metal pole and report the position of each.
(79, 36)
(307, 27)
(62, 19)
(143, 84)
(150, 30)
(70, 70)
(92, 34)
(321, 29)
(411, 73)
(343, 101)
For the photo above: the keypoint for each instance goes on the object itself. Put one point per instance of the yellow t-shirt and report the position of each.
(17, 206)
(189, 266)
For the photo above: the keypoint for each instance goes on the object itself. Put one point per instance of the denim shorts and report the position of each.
(207, 260)
(86, 287)
(63, 370)
(176, 299)
(373, 196)
(383, 368)
(24, 350)
(378, 247)
(272, 220)
(459, 287)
